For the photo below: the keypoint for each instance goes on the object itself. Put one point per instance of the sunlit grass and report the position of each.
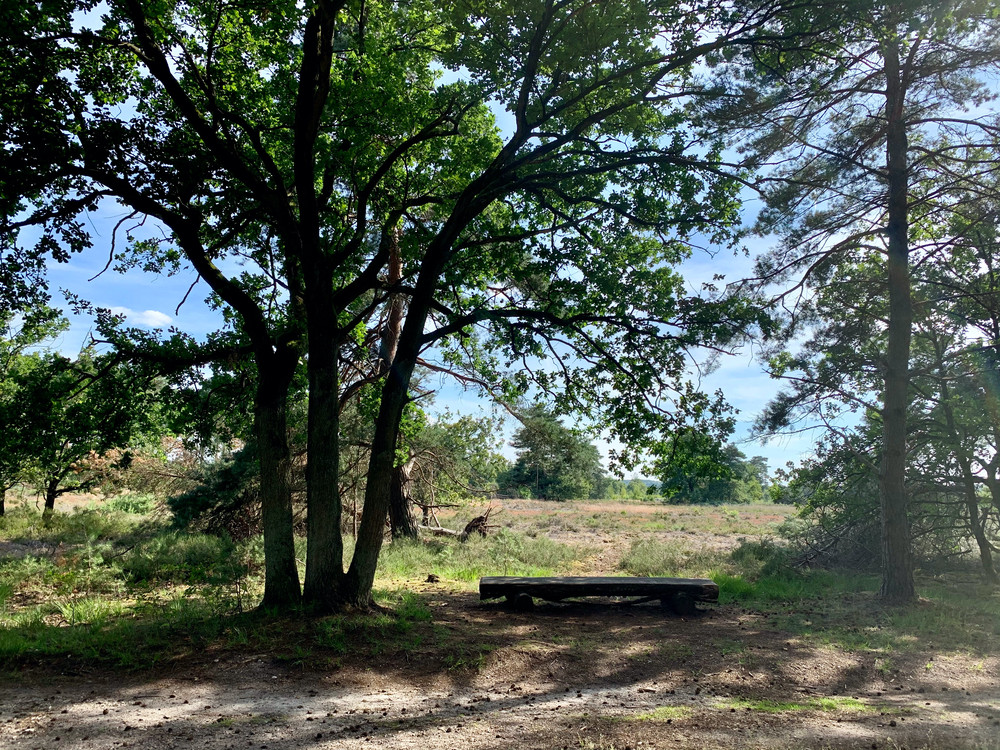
(813, 704)
(503, 553)
(664, 713)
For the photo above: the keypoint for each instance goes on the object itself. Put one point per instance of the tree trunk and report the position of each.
(281, 575)
(969, 486)
(3, 501)
(325, 551)
(400, 516)
(401, 520)
(897, 565)
(51, 493)
(378, 490)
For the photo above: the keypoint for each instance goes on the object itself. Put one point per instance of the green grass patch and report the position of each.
(503, 553)
(182, 557)
(848, 616)
(815, 704)
(664, 713)
(82, 526)
(133, 504)
(652, 558)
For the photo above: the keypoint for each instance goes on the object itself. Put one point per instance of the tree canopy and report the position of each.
(553, 462)
(541, 256)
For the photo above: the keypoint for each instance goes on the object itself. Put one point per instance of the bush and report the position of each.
(183, 557)
(137, 505)
(763, 557)
(651, 558)
(227, 500)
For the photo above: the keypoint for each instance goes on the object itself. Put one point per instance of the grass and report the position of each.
(844, 613)
(814, 704)
(503, 553)
(113, 584)
(664, 713)
(650, 557)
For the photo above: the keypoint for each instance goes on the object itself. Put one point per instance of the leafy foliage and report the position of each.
(699, 473)
(553, 462)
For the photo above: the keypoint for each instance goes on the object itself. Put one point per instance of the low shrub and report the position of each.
(137, 505)
(650, 558)
(183, 557)
(503, 553)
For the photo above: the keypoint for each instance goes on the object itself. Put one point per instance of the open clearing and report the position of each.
(587, 675)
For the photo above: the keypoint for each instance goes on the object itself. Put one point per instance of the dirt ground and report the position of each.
(590, 675)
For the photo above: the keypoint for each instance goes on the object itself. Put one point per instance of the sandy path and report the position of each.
(569, 676)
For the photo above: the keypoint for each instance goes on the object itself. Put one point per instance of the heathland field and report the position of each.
(116, 631)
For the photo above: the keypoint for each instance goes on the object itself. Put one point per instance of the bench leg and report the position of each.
(519, 602)
(680, 604)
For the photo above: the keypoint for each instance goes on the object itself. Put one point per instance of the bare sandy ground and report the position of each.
(572, 675)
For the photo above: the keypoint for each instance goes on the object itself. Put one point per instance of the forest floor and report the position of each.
(575, 675)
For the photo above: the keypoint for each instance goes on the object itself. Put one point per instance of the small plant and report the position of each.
(730, 647)
(139, 505)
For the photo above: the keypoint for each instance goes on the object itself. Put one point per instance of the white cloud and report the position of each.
(151, 318)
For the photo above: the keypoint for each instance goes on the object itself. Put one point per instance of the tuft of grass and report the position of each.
(181, 557)
(503, 553)
(664, 713)
(90, 610)
(649, 557)
(815, 704)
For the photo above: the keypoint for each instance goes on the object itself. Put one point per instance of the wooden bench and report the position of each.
(678, 594)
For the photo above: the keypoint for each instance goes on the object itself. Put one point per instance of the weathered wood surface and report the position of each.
(567, 587)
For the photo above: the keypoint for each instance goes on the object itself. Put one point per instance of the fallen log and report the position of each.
(438, 531)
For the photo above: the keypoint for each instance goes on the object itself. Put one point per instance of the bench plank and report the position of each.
(556, 588)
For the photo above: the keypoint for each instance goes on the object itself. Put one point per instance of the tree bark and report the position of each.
(378, 489)
(401, 520)
(361, 574)
(281, 575)
(897, 565)
(325, 550)
(51, 493)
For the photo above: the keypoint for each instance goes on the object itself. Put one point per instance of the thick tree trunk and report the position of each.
(3, 501)
(897, 566)
(281, 576)
(325, 552)
(401, 520)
